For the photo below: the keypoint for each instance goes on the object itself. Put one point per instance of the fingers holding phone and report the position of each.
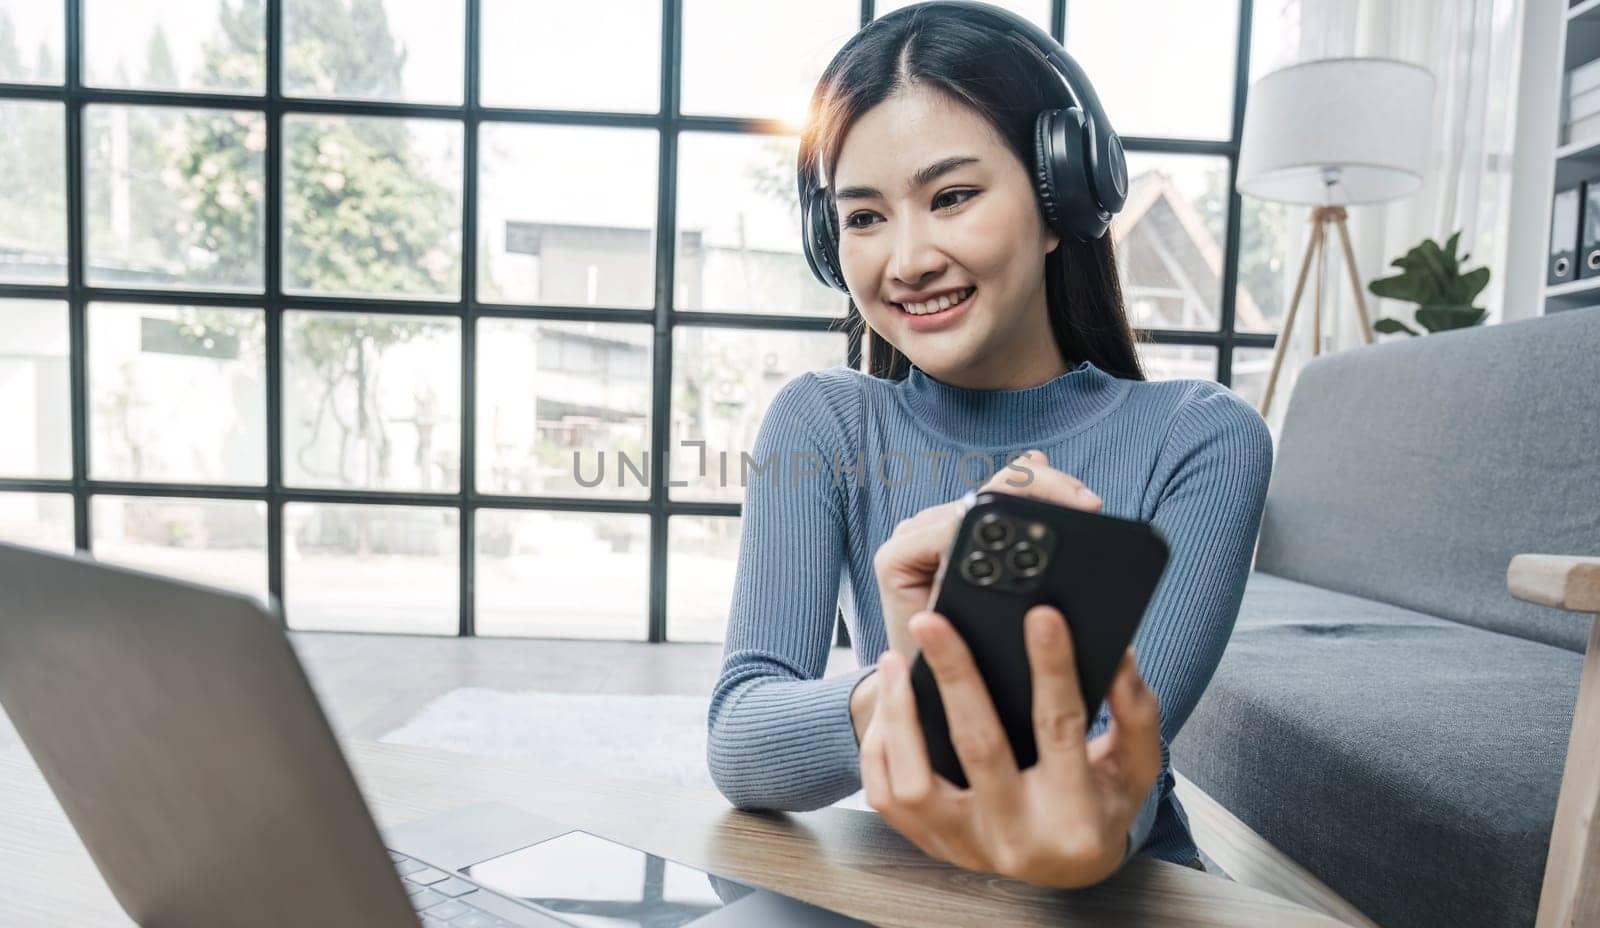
(1060, 719)
(908, 564)
(1063, 821)
(1131, 747)
(1032, 476)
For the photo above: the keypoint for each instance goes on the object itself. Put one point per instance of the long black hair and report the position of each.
(1008, 81)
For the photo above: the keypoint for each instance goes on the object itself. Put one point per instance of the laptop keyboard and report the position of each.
(442, 899)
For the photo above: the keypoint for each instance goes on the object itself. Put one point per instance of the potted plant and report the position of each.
(1431, 277)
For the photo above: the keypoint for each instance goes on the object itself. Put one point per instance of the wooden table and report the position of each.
(841, 859)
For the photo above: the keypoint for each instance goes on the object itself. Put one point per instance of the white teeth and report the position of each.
(938, 305)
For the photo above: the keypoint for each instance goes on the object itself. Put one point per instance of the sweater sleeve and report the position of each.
(779, 736)
(1210, 486)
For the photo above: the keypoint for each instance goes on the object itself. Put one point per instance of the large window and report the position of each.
(387, 308)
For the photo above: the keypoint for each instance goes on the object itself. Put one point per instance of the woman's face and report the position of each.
(968, 223)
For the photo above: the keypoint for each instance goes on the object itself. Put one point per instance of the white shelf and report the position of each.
(1586, 8)
(1573, 294)
(1577, 161)
(1580, 151)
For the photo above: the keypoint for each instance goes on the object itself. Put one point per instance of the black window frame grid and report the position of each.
(668, 122)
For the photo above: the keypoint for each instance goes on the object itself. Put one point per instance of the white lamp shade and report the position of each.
(1367, 119)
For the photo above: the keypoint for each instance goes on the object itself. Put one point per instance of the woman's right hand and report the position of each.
(907, 563)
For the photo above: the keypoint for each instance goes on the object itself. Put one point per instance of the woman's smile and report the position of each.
(936, 314)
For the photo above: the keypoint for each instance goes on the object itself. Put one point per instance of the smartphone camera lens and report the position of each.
(992, 532)
(1026, 559)
(980, 568)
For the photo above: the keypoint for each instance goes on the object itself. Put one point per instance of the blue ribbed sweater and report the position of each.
(841, 457)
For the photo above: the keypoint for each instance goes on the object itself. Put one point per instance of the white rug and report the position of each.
(655, 739)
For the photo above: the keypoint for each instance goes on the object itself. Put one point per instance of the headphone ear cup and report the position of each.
(1043, 180)
(1061, 169)
(830, 238)
(821, 238)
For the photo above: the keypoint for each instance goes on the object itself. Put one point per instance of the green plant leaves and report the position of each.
(1430, 276)
(1390, 326)
(1472, 284)
(1401, 287)
(1437, 318)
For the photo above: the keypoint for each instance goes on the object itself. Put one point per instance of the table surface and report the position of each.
(842, 859)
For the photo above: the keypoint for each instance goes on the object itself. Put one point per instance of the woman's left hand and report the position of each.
(1062, 822)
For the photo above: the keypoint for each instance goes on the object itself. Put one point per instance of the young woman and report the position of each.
(990, 334)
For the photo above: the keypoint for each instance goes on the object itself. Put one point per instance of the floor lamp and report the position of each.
(1329, 134)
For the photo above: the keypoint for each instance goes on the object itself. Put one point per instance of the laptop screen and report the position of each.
(590, 881)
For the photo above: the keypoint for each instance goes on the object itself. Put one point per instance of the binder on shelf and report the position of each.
(1589, 239)
(1565, 217)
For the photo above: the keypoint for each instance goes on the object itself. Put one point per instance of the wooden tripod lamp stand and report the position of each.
(1327, 134)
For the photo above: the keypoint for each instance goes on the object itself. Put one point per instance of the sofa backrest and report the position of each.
(1412, 471)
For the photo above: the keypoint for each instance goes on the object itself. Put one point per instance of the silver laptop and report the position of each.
(179, 733)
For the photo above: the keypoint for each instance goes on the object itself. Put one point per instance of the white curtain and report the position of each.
(1472, 49)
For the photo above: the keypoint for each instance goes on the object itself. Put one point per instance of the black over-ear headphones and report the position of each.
(1080, 174)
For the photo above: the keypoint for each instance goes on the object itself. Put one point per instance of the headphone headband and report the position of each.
(1109, 165)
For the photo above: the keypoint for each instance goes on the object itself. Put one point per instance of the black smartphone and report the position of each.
(1010, 554)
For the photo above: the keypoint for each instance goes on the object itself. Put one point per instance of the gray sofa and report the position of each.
(1387, 714)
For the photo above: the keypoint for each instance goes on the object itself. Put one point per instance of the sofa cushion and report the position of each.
(1412, 471)
(1410, 763)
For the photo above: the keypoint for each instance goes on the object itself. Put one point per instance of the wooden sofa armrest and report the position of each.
(1571, 892)
(1558, 580)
